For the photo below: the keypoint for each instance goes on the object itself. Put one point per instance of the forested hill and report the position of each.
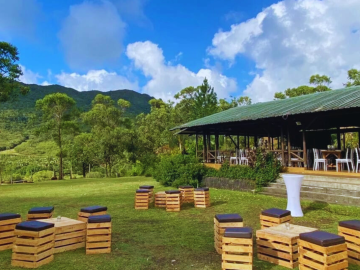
(139, 102)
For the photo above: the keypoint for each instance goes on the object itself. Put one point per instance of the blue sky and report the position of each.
(158, 47)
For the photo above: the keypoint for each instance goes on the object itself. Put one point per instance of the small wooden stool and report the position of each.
(151, 193)
(350, 230)
(142, 199)
(34, 244)
(37, 213)
(89, 211)
(221, 222)
(173, 200)
(273, 217)
(237, 249)
(160, 199)
(98, 235)
(322, 250)
(187, 193)
(8, 222)
(202, 197)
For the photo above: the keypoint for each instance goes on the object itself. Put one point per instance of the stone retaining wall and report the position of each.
(232, 184)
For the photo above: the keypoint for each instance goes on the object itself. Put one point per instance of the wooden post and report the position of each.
(344, 141)
(289, 147)
(338, 139)
(278, 138)
(216, 147)
(245, 145)
(304, 149)
(282, 147)
(208, 147)
(248, 141)
(272, 143)
(255, 141)
(238, 142)
(269, 143)
(204, 148)
(196, 145)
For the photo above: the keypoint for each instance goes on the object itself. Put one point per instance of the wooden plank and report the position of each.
(69, 241)
(5, 247)
(9, 222)
(69, 247)
(98, 231)
(98, 251)
(98, 245)
(236, 266)
(5, 228)
(98, 238)
(277, 261)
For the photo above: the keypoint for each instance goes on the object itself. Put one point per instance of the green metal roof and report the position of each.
(319, 102)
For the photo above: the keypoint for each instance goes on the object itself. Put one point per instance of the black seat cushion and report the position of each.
(93, 209)
(41, 210)
(142, 191)
(146, 187)
(7, 216)
(202, 189)
(186, 186)
(322, 238)
(244, 232)
(276, 212)
(99, 219)
(34, 226)
(172, 191)
(229, 218)
(350, 224)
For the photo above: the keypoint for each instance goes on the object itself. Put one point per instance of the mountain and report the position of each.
(139, 102)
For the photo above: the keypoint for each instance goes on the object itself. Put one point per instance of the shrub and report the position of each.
(42, 176)
(94, 175)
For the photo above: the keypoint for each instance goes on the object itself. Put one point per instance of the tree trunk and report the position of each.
(106, 172)
(71, 171)
(89, 168)
(61, 157)
(83, 170)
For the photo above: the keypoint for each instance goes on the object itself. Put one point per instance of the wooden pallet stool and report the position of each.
(350, 230)
(34, 244)
(322, 250)
(221, 222)
(237, 249)
(187, 193)
(69, 233)
(142, 199)
(98, 235)
(151, 193)
(8, 222)
(273, 217)
(202, 197)
(37, 213)
(160, 199)
(89, 211)
(173, 200)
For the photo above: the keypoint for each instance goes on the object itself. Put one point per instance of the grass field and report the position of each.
(153, 239)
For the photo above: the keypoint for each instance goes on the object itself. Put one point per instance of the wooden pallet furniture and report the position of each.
(221, 222)
(350, 230)
(202, 197)
(34, 244)
(89, 211)
(322, 250)
(37, 213)
(98, 235)
(279, 244)
(69, 233)
(142, 199)
(273, 217)
(151, 193)
(187, 193)
(8, 222)
(173, 200)
(160, 199)
(237, 249)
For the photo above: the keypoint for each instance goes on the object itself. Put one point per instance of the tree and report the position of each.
(205, 100)
(354, 77)
(242, 101)
(58, 110)
(10, 73)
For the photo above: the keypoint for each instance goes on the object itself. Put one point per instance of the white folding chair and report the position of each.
(236, 158)
(243, 157)
(318, 161)
(357, 159)
(348, 159)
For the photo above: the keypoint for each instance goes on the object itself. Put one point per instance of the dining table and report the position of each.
(337, 153)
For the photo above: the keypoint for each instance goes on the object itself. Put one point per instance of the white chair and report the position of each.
(243, 159)
(357, 159)
(318, 161)
(236, 158)
(348, 159)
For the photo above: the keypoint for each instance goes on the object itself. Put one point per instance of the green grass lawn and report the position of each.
(153, 239)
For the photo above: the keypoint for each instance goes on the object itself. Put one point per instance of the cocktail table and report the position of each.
(69, 233)
(279, 245)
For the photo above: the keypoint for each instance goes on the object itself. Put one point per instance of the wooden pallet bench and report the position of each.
(173, 200)
(350, 230)
(221, 222)
(322, 250)
(34, 244)
(8, 222)
(95, 210)
(69, 234)
(187, 193)
(160, 199)
(237, 249)
(273, 217)
(98, 235)
(279, 245)
(37, 213)
(202, 197)
(151, 193)
(142, 199)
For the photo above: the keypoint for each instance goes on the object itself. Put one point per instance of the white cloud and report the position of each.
(133, 11)
(91, 35)
(292, 40)
(166, 80)
(29, 76)
(96, 80)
